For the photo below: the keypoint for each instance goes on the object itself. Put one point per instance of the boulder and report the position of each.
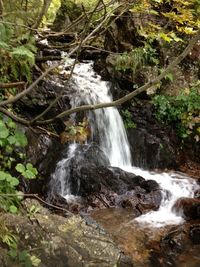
(195, 234)
(188, 207)
(87, 174)
(64, 242)
(178, 247)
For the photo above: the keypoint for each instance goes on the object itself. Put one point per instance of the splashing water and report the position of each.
(107, 125)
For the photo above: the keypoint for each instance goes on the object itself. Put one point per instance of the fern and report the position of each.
(22, 53)
(5, 33)
(4, 45)
(23, 60)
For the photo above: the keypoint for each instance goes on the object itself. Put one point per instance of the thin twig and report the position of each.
(38, 198)
(117, 102)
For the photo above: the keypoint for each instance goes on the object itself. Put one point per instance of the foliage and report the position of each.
(182, 111)
(21, 12)
(16, 55)
(78, 133)
(12, 142)
(127, 118)
(7, 236)
(136, 59)
(24, 258)
(51, 14)
(169, 21)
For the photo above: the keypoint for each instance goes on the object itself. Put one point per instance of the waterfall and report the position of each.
(107, 126)
(106, 123)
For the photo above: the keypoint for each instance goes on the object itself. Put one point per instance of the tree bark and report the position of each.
(43, 12)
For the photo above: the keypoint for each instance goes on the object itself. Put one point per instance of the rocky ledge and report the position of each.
(59, 241)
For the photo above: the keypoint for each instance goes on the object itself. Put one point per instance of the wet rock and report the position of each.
(42, 95)
(188, 207)
(150, 185)
(42, 151)
(122, 34)
(91, 153)
(178, 247)
(139, 200)
(152, 145)
(197, 193)
(89, 176)
(60, 241)
(195, 234)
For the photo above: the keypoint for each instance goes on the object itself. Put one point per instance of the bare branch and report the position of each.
(129, 96)
(76, 49)
(36, 197)
(11, 85)
(31, 87)
(14, 117)
(118, 102)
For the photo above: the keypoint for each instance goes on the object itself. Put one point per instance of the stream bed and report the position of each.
(157, 234)
(169, 245)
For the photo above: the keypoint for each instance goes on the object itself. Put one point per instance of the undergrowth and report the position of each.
(182, 111)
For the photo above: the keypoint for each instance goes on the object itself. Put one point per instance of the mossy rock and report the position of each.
(59, 241)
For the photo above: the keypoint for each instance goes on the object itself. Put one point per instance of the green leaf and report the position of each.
(23, 255)
(4, 132)
(13, 253)
(170, 77)
(13, 209)
(20, 168)
(2, 176)
(29, 174)
(35, 261)
(11, 124)
(22, 53)
(30, 167)
(11, 140)
(14, 181)
(20, 138)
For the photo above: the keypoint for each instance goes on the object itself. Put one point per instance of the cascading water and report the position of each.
(107, 125)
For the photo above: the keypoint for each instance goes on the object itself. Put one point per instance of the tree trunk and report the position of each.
(43, 12)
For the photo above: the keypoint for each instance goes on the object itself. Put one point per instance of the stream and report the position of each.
(108, 131)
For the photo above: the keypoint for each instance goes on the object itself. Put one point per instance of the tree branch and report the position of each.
(43, 12)
(11, 85)
(129, 96)
(76, 49)
(31, 87)
(118, 102)
(14, 117)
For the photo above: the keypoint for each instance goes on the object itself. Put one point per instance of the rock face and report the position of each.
(189, 208)
(63, 242)
(42, 152)
(122, 34)
(65, 15)
(100, 185)
(152, 145)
